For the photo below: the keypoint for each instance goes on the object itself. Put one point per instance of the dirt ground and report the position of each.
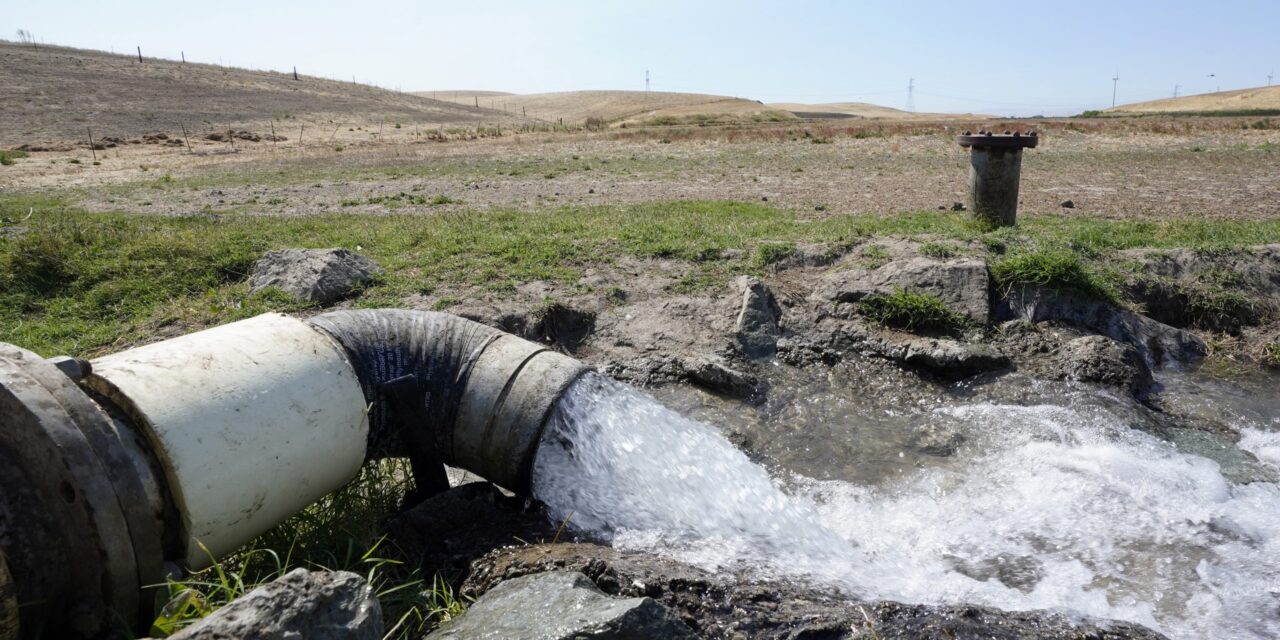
(1217, 168)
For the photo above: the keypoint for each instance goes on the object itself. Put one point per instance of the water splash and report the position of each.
(1049, 506)
(617, 463)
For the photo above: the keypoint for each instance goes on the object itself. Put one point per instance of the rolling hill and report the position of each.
(55, 93)
(1258, 98)
(839, 110)
(574, 107)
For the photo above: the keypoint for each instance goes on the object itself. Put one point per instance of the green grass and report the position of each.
(913, 311)
(81, 283)
(1054, 269)
(341, 532)
(772, 253)
(937, 250)
(8, 156)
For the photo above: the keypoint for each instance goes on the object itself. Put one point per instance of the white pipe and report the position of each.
(252, 421)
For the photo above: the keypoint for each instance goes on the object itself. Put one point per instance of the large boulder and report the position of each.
(963, 284)
(314, 275)
(758, 327)
(1102, 360)
(1156, 342)
(561, 605)
(317, 605)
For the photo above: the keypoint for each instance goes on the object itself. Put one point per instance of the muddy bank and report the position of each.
(792, 370)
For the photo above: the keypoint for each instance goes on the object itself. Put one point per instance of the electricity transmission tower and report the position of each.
(646, 81)
(1115, 82)
(1269, 75)
(1175, 89)
(911, 94)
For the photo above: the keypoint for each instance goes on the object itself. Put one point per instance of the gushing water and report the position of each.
(1051, 505)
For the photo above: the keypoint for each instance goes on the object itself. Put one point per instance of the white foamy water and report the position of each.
(1055, 507)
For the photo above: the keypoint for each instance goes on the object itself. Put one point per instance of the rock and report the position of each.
(721, 379)
(1103, 360)
(937, 439)
(818, 254)
(758, 326)
(317, 275)
(1221, 290)
(316, 605)
(650, 369)
(1067, 204)
(561, 605)
(951, 359)
(723, 605)
(1016, 572)
(963, 284)
(445, 532)
(1156, 342)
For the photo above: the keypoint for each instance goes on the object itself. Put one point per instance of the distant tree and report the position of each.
(25, 36)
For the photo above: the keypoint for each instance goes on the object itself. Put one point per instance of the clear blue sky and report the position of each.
(997, 56)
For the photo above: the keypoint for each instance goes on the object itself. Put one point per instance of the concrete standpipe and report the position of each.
(995, 169)
(139, 465)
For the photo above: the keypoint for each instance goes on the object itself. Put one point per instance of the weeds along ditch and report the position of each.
(79, 283)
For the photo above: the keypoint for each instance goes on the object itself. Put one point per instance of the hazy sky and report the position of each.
(993, 57)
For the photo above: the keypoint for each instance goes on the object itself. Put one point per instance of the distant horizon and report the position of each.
(1046, 62)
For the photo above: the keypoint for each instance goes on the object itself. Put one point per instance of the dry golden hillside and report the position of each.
(574, 107)
(1259, 98)
(836, 110)
(53, 94)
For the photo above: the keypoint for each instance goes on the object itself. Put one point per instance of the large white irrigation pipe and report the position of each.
(120, 471)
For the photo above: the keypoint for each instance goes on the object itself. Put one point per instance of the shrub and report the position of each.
(7, 157)
(913, 311)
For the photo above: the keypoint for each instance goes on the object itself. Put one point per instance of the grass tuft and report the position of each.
(913, 311)
(771, 253)
(1054, 269)
(8, 156)
(937, 250)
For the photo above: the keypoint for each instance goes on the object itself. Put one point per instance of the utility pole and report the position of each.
(911, 94)
(646, 80)
(1115, 82)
